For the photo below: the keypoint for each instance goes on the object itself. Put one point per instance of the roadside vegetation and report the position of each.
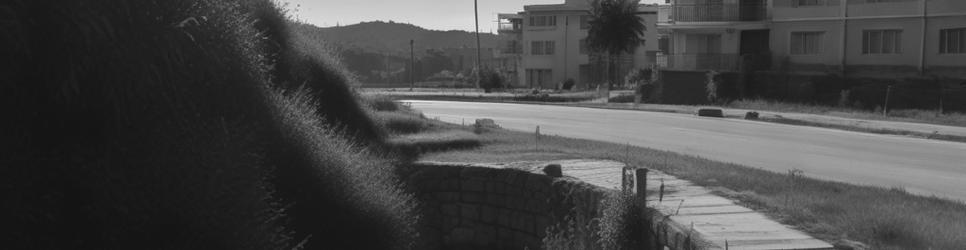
(185, 125)
(843, 214)
(902, 115)
(612, 227)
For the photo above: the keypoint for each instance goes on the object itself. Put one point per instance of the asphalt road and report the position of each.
(921, 166)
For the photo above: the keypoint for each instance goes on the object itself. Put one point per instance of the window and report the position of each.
(542, 47)
(952, 41)
(543, 21)
(806, 43)
(800, 3)
(886, 1)
(584, 22)
(882, 42)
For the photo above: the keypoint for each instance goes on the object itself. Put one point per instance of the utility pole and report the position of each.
(479, 54)
(412, 66)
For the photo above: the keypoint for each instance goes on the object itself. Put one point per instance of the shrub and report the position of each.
(340, 195)
(152, 123)
(382, 103)
(127, 131)
(620, 221)
(402, 123)
(491, 79)
(569, 84)
(306, 62)
(639, 76)
(712, 85)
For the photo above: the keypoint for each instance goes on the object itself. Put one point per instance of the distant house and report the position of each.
(545, 46)
(864, 38)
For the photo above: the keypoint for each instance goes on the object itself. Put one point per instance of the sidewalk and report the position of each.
(717, 220)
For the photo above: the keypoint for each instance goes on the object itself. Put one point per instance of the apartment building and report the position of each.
(863, 38)
(549, 42)
(509, 53)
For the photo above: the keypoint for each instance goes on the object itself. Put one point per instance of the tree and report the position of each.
(615, 28)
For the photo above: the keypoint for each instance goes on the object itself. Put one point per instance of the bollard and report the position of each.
(641, 174)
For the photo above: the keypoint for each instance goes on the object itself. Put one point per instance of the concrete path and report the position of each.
(714, 219)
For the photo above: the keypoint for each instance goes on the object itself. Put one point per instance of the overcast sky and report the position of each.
(431, 14)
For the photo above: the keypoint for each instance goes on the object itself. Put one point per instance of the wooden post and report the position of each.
(641, 176)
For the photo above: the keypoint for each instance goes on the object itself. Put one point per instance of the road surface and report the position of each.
(921, 166)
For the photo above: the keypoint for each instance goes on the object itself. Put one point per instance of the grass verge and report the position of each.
(837, 212)
(933, 136)
(904, 115)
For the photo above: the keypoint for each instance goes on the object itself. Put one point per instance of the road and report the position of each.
(921, 166)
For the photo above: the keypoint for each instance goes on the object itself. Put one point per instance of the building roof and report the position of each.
(581, 5)
(509, 16)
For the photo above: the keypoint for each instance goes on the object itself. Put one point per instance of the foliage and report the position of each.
(621, 222)
(491, 79)
(184, 124)
(382, 103)
(639, 76)
(615, 28)
(712, 85)
(569, 84)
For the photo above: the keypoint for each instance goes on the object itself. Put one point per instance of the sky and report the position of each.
(430, 14)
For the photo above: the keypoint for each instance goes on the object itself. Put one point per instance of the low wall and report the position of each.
(469, 207)
(473, 207)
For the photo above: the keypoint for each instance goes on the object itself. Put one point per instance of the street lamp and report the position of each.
(412, 66)
(479, 57)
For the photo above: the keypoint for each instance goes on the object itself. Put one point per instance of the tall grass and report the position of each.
(160, 124)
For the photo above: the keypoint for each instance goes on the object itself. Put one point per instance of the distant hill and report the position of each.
(393, 38)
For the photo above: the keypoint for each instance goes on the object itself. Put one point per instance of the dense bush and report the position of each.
(305, 62)
(382, 103)
(569, 84)
(154, 124)
(402, 123)
(491, 79)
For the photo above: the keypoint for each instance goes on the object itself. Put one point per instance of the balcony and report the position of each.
(510, 47)
(699, 62)
(719, 12)
(510, 28)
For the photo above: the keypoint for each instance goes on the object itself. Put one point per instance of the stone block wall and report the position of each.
(466, 207)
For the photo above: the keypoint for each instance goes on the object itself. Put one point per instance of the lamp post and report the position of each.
(479, 57)
(412, 66)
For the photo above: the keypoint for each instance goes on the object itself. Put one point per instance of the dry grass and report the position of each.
(904, 115)
(884, 218)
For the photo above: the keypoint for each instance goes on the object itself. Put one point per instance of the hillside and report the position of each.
(393, 38)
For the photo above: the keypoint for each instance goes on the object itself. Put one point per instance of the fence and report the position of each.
(702, 62)
(712, 12)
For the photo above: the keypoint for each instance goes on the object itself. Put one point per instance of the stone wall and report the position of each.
(467, 207)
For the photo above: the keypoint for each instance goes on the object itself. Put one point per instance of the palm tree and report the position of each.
(615, 28)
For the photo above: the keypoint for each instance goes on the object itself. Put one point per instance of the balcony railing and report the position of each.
(742, 12)
(719, 62)
(510, 28)
(510, 48)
